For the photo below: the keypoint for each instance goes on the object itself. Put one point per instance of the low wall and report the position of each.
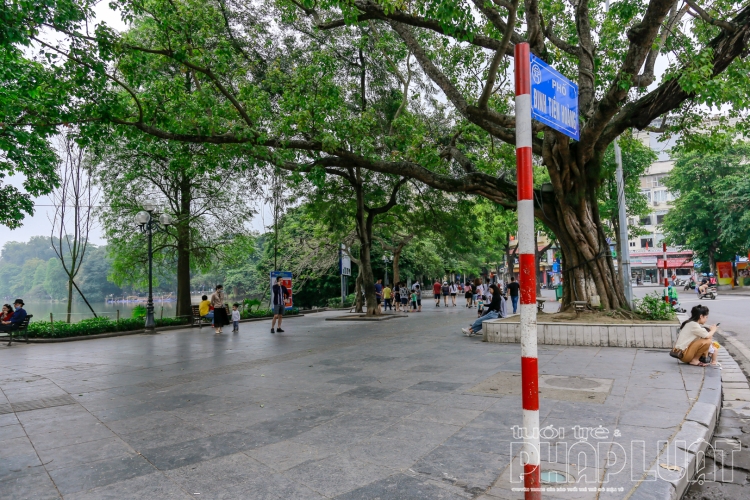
(627, 335)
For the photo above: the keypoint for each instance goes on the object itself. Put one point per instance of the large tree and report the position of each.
(274, 79)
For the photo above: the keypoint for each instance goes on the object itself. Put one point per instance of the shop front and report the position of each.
(648, 267)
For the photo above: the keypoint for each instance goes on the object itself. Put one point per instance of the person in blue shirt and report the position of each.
(18, 316)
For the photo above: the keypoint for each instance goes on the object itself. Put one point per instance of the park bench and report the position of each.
(199, 320)
(580, 305)
(23, 327)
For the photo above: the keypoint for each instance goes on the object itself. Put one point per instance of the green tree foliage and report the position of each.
(709, 214)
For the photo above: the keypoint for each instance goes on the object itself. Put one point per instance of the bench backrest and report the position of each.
(25, 321)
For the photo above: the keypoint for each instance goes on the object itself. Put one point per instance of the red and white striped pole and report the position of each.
(527, 276)
(666, 276)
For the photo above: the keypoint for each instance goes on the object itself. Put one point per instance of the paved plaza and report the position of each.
(401, 409)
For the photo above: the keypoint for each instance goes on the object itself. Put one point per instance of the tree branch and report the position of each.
(498, 57)
(727, 26)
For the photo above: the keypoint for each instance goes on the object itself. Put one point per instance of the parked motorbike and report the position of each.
(689, 285)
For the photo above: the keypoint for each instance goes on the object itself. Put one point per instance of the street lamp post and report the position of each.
(386, 260)
(148, 224)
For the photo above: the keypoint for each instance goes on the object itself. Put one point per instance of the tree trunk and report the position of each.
(184, 301)
(358, 302)
(587, 262)
(396, 256)
(70, 297)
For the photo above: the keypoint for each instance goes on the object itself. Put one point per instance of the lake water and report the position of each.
(42, 309)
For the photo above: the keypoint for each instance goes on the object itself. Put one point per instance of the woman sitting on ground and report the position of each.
(494, 310)
(694, 340)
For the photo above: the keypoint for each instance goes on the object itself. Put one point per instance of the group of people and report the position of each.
(213, 309)
(398, 298)
(12, 316)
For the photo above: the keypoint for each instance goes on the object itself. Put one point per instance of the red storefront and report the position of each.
(647, 266)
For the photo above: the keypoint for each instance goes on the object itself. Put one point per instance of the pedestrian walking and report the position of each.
(404, 297)
(397, 296)
(220, 312)
(436, 292)
(379, 293)
(468, 294)
(235, 317)
(387, 298)
(445, 292)
(454, 292)
(493, 311)
(513, 289)
(279, 293)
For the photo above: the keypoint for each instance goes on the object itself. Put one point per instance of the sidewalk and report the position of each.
(392, 410)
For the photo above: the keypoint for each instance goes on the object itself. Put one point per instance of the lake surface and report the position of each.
(42, 309)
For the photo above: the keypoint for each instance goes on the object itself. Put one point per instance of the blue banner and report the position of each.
(554, 98)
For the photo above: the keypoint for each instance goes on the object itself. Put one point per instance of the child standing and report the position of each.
(480, 304)
(235, 317)
(414, 300)
(387, 298)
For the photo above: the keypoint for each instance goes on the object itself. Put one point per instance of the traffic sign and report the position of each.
(554, 98)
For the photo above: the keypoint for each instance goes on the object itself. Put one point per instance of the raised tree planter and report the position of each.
(660, 335)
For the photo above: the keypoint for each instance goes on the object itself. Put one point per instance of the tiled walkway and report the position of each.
(326, 410)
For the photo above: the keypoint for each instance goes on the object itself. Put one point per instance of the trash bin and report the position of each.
(558, 292)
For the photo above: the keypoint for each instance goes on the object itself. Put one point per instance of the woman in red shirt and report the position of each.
(7, 313)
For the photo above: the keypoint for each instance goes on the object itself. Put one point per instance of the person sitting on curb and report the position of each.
(16, 319)
(694, 340)
(493, 311)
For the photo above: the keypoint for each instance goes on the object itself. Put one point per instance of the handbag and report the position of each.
(677, 353)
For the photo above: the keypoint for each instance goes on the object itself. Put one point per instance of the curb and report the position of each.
(687, 448)
(133, 332)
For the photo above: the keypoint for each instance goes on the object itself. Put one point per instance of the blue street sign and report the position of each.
(554, 98)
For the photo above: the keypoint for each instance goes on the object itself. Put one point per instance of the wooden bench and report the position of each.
(580, 305)
(199, 320)
(23, 327)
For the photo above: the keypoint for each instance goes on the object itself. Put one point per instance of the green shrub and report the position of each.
(654, 307)
(746, 281)
(249, 303)
(139, 312)
(265, 313)
(93, 326)
(336, 301)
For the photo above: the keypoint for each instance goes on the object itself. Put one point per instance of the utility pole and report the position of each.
(623, 223)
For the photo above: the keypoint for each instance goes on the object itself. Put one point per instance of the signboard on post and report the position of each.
(345, 263)
(554, 98)
(286, 281)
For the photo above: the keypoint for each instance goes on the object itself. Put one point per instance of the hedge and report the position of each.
(92, 326)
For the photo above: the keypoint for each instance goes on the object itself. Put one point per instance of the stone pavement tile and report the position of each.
(193, 451)
(468, 402)
(403, 487)
(354, 380)
(8, 419)
(73, 423)
(270, 487)
(454, 416)
(45, 415)
(475, 470)
(287, 454)
(419, 397)
(342, 370)
(211, 477)
(19, 465)
(161, 435)
(16, 446)
(422, 368)
(337, 474)
(483, 439)
(96, 474)
(144, 422)
(640, 416)
(370, 392)
(94, 401)
(36, 486)
(8, 432)
(123, 412)
(379, 450)
(149, 487)
(342, 432)
(66, 437)
(92, 451)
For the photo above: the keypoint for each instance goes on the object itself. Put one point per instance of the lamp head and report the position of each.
(165, 219)
(149, 206)
(142, 217)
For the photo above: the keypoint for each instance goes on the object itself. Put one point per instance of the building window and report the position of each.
(656, 181)
(660, 196)
(659, 219)
(646, 221)
(647, 194)
(632, 243)
(647, 242)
